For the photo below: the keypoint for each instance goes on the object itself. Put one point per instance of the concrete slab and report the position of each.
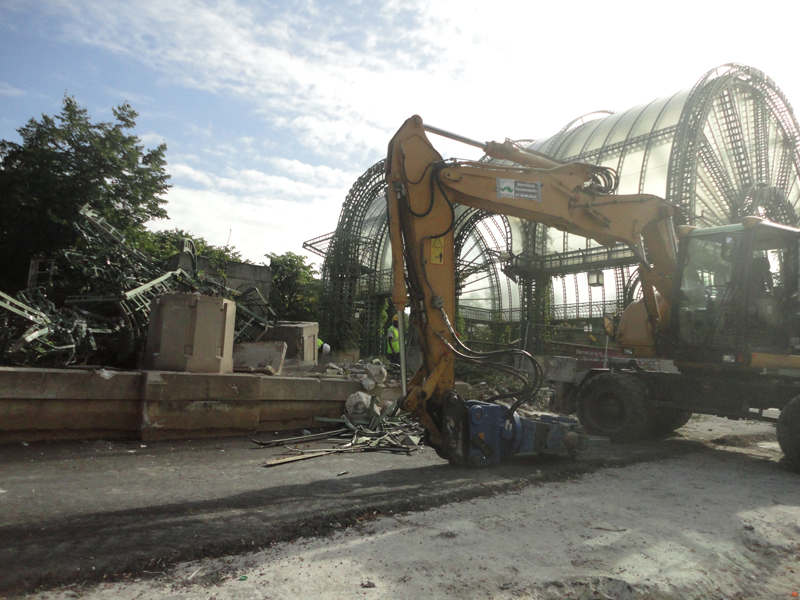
(300, 337)
(67, 384)
(257, 355)
(332, 389)
(289, 388)
(68, 404)
(39, 404)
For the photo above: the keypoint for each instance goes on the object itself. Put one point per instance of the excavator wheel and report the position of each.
(615, 405)
(667, 420)
(788, 430)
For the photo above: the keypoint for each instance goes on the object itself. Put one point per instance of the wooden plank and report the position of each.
(289, 459)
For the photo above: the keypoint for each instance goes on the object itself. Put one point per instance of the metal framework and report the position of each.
(357, 265)
(725, 148)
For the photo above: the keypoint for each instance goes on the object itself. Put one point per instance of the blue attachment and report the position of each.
(494, 437)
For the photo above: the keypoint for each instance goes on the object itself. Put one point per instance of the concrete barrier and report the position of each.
(68, 404)
(37, 404)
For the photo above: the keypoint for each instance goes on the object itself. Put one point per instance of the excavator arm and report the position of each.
(574, 197)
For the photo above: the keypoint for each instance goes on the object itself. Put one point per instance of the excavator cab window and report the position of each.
(738, 292)
(704, 306)
(771, 291)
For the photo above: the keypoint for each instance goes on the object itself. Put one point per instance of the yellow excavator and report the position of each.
(722, 303)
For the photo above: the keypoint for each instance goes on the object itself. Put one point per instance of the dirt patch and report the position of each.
(735, 441)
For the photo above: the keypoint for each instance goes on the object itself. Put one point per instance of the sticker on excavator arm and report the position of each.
(524, 190)
(437, 251)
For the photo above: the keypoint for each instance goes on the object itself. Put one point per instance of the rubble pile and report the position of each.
(363, 428)
(106, 322)
(369, 373)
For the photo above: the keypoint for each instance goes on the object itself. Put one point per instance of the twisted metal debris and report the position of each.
(107, 323)
(378, 433)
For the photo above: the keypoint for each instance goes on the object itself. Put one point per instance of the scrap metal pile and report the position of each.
(106, 322)
(375, 433)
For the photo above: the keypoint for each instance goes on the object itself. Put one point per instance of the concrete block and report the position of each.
(339, 390)
(190, 333)
(257, 355)
(154, 435)
(289, 388)
(39, 404)
(65, 384)
(289, 425)
(175, 403)
(276, 410)
(300, 338)
(240, 416)
(166, 386)
(560, 368)
(68, 414)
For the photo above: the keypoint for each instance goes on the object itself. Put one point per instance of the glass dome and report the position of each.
(724, 148)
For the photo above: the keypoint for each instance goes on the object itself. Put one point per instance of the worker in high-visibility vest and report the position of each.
(393, 342)
(322, 348)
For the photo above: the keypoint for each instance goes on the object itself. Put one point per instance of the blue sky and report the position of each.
(271, 110)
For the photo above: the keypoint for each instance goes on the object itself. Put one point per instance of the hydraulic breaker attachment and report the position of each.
(481, 434)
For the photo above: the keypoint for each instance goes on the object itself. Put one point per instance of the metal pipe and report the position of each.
(401, 333)
(454, 136)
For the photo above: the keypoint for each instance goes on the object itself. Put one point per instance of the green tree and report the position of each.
(294, 291)
(163, 244)
(65, 162)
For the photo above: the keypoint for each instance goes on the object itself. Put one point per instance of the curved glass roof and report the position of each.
(726, 147)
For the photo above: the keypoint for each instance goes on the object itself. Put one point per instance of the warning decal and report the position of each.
(437, 251)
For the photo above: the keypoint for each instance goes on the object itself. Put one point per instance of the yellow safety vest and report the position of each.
(393, 343)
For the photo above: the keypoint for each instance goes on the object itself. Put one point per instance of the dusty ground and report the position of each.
(683, 518)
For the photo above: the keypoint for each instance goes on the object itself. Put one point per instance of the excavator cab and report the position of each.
(737, 295)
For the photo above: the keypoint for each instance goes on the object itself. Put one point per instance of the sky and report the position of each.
(271, 110)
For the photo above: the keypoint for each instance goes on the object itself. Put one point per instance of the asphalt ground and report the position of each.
(87, 512)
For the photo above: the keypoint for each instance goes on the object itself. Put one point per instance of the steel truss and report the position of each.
(725, 148)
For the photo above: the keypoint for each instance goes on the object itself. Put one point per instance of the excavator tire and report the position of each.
(667, 420)
(615, 405)
(788, 431)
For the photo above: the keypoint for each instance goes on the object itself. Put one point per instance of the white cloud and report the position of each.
(10, 91)
(309, 173)
(342, 77)
(339, 78)
(261, 212)
(152, 139)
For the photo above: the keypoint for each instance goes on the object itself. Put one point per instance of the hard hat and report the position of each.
(326, 349)
(394, 318)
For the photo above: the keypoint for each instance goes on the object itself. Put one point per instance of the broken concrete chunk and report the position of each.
(357, 404)
(258, 355)
(376, 372)
(265, 370)
(367, 383)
